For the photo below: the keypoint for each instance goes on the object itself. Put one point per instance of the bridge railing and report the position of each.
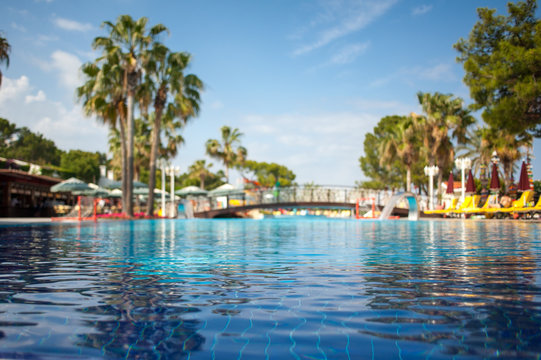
(294, 194)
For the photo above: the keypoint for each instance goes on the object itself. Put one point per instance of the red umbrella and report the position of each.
(494, 179)
(470, 186)
(523, 182)
(450, 185)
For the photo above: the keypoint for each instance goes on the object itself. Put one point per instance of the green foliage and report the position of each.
(537, 186)
(502, 60)
(28, 146)
(212, 180)
(200, 170)
(85, 165)
(5, 49)
(267, 174)
(389, 175)
(229, 151)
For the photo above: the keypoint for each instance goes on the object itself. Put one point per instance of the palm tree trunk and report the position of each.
(408, 178)
(202, 182)
(153, 157)
(130, 148)
(124, 162)
(440, 179)
(227, 174)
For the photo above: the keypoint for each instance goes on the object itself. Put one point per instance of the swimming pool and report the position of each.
(276, 289)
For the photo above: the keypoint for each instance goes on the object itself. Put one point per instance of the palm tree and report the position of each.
(508, 148)
(229, 151)
(125, 46)
(167, 70)
(103, 96)
(401, 144)
(200, 170)
(484, 141)
(5, 49)
(445, 118)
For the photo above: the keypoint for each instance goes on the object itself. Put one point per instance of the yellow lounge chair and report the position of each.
(536, 208)
(451, 207)
(469, 201)
(482, 209)
(520, 203)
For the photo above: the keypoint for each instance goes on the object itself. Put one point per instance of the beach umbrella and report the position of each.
(524, 181)
(158, 194)
(116, 184)
(115, 193)
(139, 185)
(99, 192)
(191, 190)
(450, 185)
(494, 179)
(140, 191)
(225, 190)
(70, 185)
(470, 185)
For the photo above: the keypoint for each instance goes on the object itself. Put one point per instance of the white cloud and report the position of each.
(217, 105)
(66, 65)
(12, 89)
(66, 126)
(420, 10)
(320, 146)
(345, 18)
(72, 25)
(438, 72)
(41, 39)
(40, 96)
(349, 53)
(18, 27)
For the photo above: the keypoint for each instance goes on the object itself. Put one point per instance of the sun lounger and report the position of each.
(520, 203)
(451, 207)
(469, 202)
(536, 208)
(492, 199)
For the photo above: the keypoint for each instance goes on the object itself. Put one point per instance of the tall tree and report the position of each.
(229, 150)
(402, 144)
(502, 61)
(509, 148)
(166, 69)
(5, 49)
(126, 44)
(381, 175)
(268, 174)
(445, 118)
(200, 170)
(85, 165)
(103, 96)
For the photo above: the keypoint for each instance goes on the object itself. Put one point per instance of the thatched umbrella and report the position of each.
(71, 185)
(191, 190)
(226, 190)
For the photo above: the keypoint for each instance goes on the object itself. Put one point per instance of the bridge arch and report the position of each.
(413, 213)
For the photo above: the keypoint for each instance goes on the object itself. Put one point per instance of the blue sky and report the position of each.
(303, 80)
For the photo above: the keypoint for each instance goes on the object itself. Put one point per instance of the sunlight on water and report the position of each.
(300, 289)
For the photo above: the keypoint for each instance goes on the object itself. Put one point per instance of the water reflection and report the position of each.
(54, 279)
(276, 289)
(467, 296)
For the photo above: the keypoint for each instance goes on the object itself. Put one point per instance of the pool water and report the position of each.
(271, 289)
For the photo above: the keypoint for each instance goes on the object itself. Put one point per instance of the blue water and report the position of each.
(272, 289)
